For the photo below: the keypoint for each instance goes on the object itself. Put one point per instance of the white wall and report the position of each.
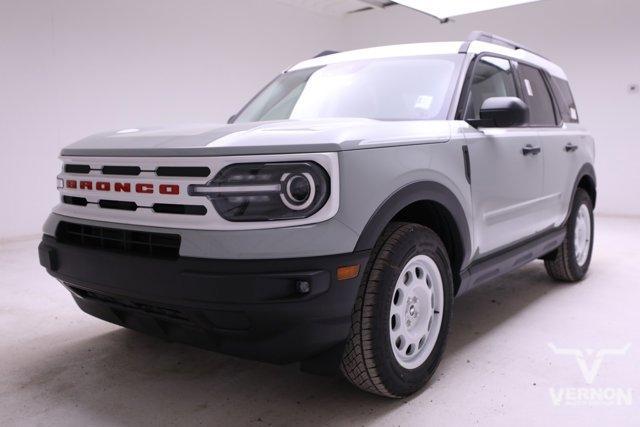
(69, 68)
(597, 42)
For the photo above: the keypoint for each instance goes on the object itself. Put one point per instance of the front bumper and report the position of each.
(247, 308)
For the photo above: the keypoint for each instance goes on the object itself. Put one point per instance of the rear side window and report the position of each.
(536, 95)
(563, 95)
(491, 77)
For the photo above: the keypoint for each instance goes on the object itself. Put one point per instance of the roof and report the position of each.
(473, 46)
(395, 51)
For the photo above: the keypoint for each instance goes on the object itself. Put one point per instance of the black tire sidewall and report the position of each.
(397, 379)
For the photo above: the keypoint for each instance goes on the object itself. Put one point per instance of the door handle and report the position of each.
(570, 147)
(530, 150)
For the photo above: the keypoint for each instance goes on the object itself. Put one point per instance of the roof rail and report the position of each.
(325, 53)
(483, 36)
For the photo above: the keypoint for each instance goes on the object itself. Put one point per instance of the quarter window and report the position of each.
(536, 95)
(563, 95)
(491, 77)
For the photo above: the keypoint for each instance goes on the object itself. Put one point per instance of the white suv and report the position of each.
(336, 216)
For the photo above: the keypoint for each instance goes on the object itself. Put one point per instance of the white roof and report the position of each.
(395, 51)
(435, 48)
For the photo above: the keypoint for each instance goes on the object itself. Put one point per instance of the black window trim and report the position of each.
(556, 106)
(466, 87)
(556, 101)
(543, 73)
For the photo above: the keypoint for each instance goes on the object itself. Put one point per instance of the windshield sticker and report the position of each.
(424, 102)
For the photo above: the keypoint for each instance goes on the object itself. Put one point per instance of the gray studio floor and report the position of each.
(58, 365)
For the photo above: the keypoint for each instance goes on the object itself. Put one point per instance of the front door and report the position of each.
(506, 165)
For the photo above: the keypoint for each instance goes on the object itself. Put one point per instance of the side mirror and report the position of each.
(232, 119)
(502, 112)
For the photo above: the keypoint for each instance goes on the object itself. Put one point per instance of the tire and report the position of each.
(567, 264)
(370, 360)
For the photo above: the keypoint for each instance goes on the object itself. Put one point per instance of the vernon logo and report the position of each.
(590, 361)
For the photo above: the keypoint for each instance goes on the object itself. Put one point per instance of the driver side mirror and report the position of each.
(502, 112)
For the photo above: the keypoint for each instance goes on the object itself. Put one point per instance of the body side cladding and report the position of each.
(510, 258)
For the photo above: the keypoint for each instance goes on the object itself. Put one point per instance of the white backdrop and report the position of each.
(70, 68)
(597, 44)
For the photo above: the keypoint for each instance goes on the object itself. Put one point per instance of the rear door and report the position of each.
(566, 149)
(506, 163)
(553, 138)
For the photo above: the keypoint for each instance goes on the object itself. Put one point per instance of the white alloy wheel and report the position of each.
(570, 261)
(582, 235)
(416, 311)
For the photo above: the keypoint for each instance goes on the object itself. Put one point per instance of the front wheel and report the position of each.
(402, 314)
(570, 262)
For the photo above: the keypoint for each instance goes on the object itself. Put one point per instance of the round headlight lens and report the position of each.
(298, 188)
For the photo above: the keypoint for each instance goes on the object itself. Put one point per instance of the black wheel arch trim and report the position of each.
(586, 170)
(433, 191)
(405, 196)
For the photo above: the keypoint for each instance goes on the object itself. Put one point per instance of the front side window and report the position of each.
(491, 77)
(411, 88)
(536, 95)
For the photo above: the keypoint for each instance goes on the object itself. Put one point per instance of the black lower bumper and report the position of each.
(256, 309)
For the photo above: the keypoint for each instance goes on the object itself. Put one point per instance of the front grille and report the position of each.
(77, 168)
(121, 170)
(117, 204)
(71, 200)
(164, 171)
(165, 208)
(179, 209)
(190, 171)
(157, 245)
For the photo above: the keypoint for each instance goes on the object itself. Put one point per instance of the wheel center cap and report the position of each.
(412, 311)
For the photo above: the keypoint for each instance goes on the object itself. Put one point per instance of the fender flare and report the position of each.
(586, 170)
(411, 193)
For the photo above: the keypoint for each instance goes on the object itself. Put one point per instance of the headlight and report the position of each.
(267, 191)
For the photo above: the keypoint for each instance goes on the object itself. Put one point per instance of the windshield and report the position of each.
(413, 88)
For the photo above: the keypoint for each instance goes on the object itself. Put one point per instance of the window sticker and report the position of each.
(527, 84)
(424, 102)
(573, 113)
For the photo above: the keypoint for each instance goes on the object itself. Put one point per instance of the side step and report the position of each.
(507, 260)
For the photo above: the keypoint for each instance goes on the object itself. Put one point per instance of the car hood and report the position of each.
(276, 137)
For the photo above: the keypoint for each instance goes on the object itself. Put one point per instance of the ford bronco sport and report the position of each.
(336, 216)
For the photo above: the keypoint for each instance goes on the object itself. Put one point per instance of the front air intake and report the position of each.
(158, 245)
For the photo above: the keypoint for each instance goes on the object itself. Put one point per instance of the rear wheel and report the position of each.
(570, 262)
(401, 316)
